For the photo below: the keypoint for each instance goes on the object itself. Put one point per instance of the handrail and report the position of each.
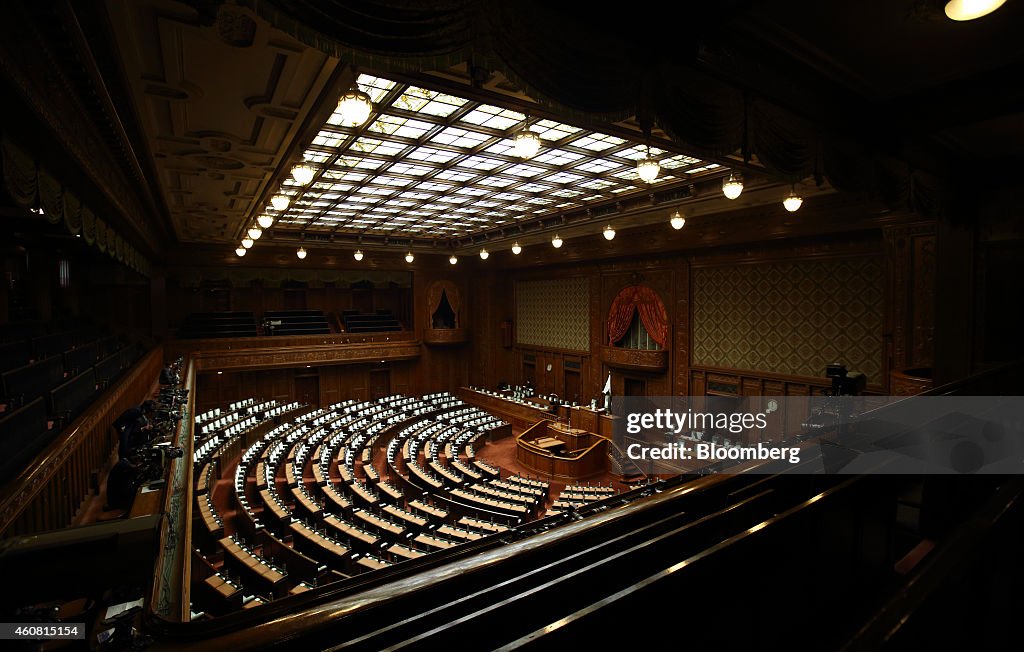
(282, 620)
(20, 492)
(945, 561)
(172, 570)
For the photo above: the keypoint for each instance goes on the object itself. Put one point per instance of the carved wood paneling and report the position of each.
(295, 356)
(445, 336)
(635, 359)
(219, 114)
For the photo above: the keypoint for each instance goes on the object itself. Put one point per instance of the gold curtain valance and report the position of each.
(20, 176)
(88, 225)
(51, 197)
(30, 186)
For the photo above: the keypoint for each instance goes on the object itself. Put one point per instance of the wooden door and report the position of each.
(380, 383)
(307, 390)
(529, 374)
(572, 386)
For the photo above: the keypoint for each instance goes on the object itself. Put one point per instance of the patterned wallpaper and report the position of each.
(791, 318)
(554, 313)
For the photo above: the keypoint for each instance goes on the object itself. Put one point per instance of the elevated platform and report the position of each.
(559, 452)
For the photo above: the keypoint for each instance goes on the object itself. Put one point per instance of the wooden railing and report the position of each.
(48, 492)
(276, 357)
(183, 347)
(170, 596)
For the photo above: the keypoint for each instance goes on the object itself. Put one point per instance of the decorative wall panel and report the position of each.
(791, 318)
(554, 313)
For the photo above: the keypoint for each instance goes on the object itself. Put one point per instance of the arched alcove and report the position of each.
(444, 315)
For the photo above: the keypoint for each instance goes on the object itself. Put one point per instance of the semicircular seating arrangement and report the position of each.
(289, 498)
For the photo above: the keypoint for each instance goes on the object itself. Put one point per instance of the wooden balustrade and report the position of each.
(183, 347)
(47, 494)
(170, 597)
(272, 356)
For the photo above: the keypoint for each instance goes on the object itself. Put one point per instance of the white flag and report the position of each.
(607, 385)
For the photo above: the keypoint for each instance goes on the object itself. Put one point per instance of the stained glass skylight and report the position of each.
(431, 164)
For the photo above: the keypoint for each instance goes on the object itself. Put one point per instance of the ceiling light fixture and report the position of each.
(526, 143)
(556, 241)
(280, 202)
(453, 259)
(409, 257)
(301, 253)
(265, 221)
(677, 221)
(240, 252)
(358, 255)
(793, 201)
(302, 174)
(516, 249)
(355, 107)
(648, 168)
(255, 232)
(733, 186)
(609, 232)
(961, 10)
(483, 254)
(247, 242)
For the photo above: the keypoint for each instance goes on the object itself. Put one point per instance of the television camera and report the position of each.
(845, 383)
(151, 461)
(833, 411)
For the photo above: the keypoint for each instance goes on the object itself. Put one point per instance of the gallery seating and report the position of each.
(203, 325)
(295, 322)
(381, 321)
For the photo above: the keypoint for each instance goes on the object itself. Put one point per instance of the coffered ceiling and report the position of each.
(219, 105)
(227, 105)
(429, 164)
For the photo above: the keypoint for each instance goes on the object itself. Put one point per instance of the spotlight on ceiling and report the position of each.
(453, 259)
(609, 232)
(484, 254)
(961, 10)
(280, 202)
(355, 107)
(793, 201)
(516, 249)
(358, 255)
(240, 252)
(301, 253)
(556, 241)
(265, 220)
(409, 257)
(733, 186)
(302, 174)
(526, 144)
(255, 232)
(677, 221)
(648, 168)
(247, 242)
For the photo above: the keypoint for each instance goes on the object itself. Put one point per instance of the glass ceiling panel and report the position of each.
(439, 165)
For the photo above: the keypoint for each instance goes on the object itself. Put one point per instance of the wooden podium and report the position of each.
(558, 452)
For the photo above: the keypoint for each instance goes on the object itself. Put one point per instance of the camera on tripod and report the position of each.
(845, 383)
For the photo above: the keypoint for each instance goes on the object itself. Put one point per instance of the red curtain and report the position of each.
(619, 316)
(652, 314)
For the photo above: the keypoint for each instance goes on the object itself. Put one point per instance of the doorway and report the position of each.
(572, 386)
(634, 387)
(307, 390)
(380, 383)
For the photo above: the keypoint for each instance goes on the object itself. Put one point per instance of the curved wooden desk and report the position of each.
(556, 451)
